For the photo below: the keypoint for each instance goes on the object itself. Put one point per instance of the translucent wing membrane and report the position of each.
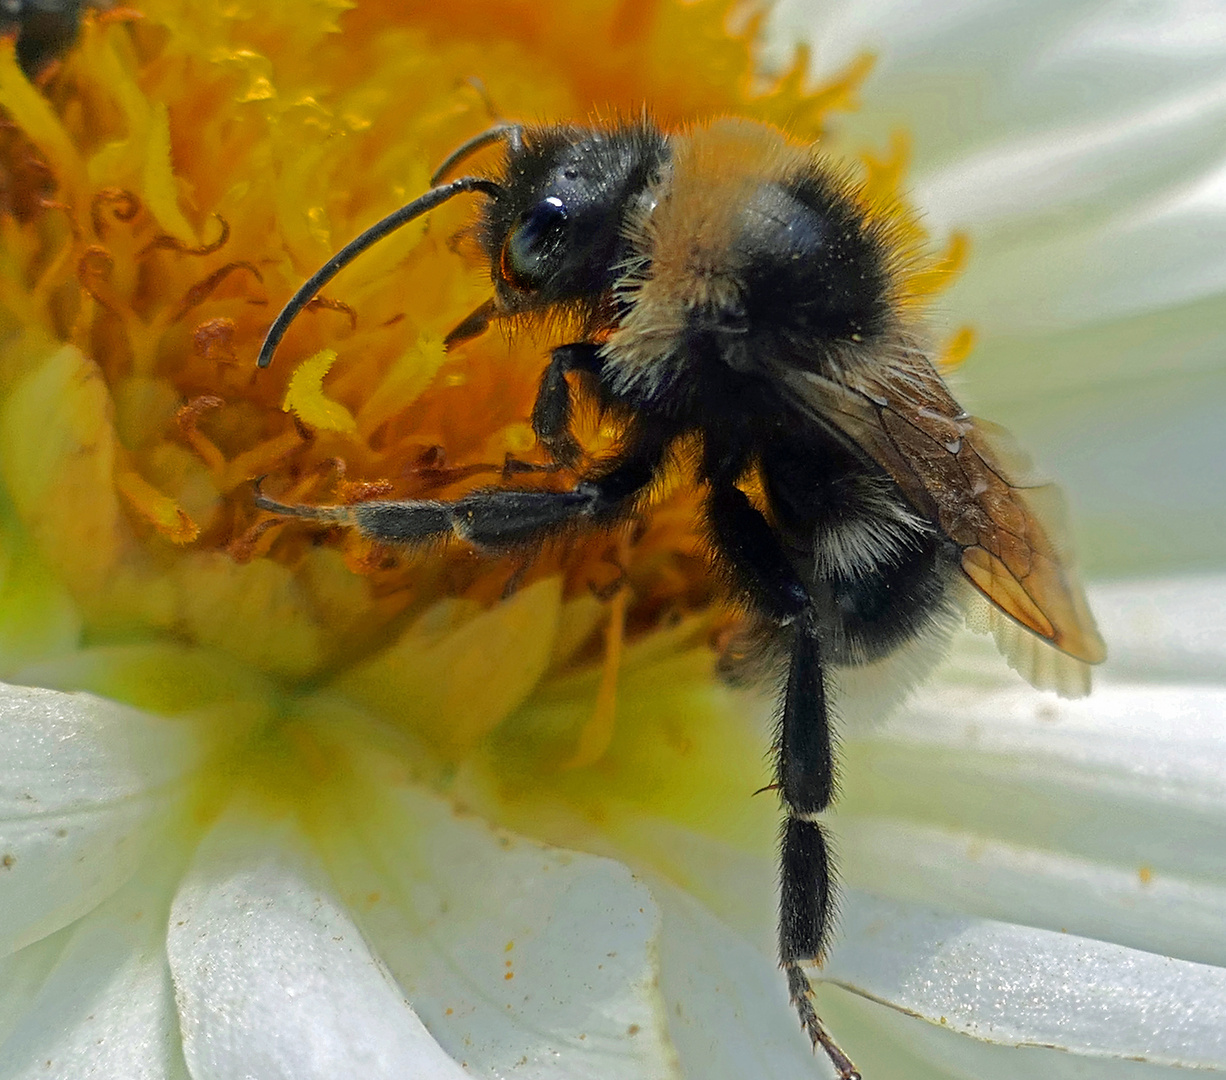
(1041, 665)
(964, 474)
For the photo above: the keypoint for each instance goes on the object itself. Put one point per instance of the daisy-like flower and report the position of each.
(276, 802)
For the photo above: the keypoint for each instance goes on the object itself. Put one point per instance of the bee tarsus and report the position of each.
(802, 1000)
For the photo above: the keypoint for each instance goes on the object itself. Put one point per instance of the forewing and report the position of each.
(964, 474)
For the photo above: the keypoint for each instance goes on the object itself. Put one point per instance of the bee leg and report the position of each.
(805, 757)
(499, 520)
(806, 784)
(551, 415)
(494, 518)
(753, 553)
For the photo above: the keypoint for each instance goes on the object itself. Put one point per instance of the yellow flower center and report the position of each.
(163, 191)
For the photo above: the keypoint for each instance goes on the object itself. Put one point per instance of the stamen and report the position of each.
(336, 305)
(187, 418)
(124, 205)
(202, 290)
(173, 243)
(161, 511)
(94, 273)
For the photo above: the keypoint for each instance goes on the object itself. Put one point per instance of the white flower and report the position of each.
(1031, 887)
(1048, 873)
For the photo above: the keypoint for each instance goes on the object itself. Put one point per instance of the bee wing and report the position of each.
(964, 474)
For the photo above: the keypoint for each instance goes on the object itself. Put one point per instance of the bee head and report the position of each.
(555, 237)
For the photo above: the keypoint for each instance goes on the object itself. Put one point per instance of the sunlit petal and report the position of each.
(273, 979)
(95, 999)
(727, 1007)
(1024, 987)
(87, 787)
(1103, 818)
(1171, 630)
(520, 958)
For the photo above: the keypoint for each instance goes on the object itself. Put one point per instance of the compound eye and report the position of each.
(530, 250)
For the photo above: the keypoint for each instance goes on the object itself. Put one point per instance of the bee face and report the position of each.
(555, 236)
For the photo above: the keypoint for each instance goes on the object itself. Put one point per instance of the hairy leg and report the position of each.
(805, 765)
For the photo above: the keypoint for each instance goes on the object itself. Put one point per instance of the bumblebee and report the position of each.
(732, 292)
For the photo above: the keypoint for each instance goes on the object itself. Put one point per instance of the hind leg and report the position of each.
(805, 767)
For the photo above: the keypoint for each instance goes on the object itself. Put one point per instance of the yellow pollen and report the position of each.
(305, 396)
(167, 188)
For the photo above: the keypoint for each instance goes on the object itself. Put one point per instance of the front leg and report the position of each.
(496, 519)
(551, 415)
(805, 765)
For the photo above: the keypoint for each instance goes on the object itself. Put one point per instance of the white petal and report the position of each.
(962, 74)
(893, 1045)
(1020, 986)
(1123, 792)
(522, 959)
(86, 787)
(1172, 629)
(1113, 261)
(726, 1000)
(1104, 817)
(964, 870)
(272, 977)
(1164, 746)
(95, 999)
(1128, 420)
(728, 1007)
